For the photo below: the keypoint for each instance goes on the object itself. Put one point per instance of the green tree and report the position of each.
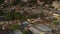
(16, 2)
(54, 19)
(9, 16)
(1, 1)
(55, 23)
(1, 12)
(15, 27)
(32, 2)
(31, 15)
(41, 15)
(23, 17)
(25, 32)
(17, 15)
